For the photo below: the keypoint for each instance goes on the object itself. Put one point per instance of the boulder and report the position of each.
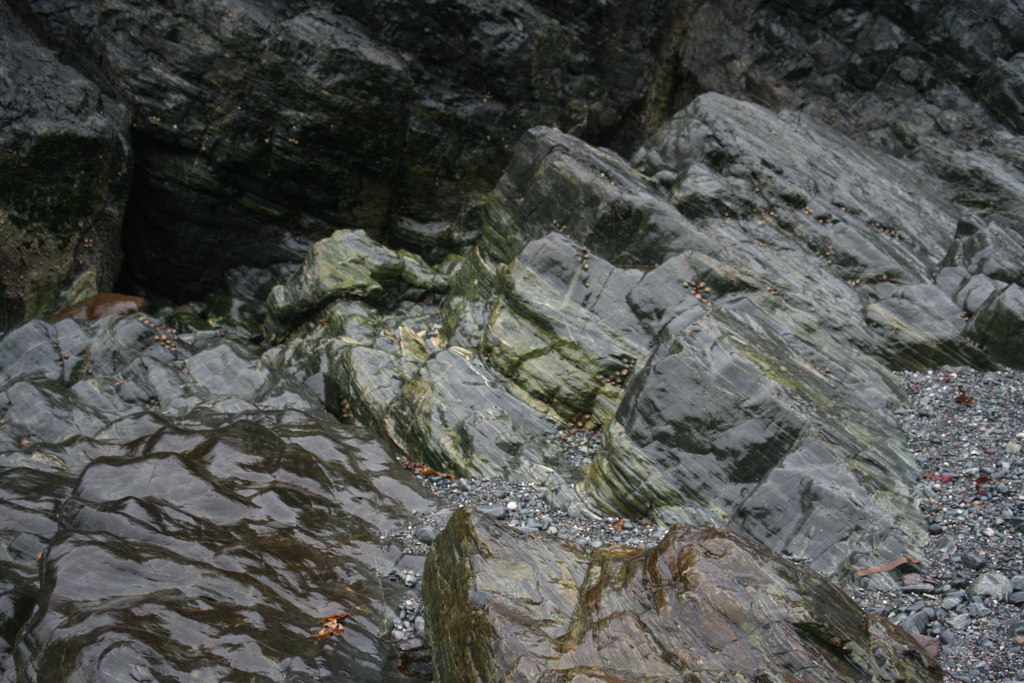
(988, 249)
(348, 264)
(921, 327)
(1001, 88)
(65, 167)
(974, 291)
(704, 604)
(999, 324)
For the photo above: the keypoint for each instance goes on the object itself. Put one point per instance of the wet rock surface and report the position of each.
(590, 269)
(172, 507)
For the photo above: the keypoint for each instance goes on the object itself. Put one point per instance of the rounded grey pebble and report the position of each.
(426, 534)
(974, 560)
(952, 599)
(976, 610)
(915, 623)
(532, 525)
(495, 511)
(991, 584)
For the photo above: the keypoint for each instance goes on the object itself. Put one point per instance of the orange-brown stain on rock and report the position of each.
(101, 305)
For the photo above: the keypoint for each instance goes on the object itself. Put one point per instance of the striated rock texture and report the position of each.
(928, 80)
(709, 231)
(64, 174)
(254, 123)
(703, 605)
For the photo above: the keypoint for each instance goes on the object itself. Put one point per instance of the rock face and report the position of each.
(64, 174)
(984, 275)
(253, 119)
(927, 80)
(707, 232)
(704, 604)
(172, 509)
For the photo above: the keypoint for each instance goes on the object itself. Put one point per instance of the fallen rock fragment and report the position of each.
(704, 604)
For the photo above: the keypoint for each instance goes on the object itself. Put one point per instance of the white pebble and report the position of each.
(512, 505)
(552, 529)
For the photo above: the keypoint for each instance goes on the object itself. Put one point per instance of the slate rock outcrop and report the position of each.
(256, 120)
(727, 309)
(708, 231)
(702, 605)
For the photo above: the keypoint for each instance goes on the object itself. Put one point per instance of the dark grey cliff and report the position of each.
(65, 166)
(258, 124)
(707, 232)
(256, 120)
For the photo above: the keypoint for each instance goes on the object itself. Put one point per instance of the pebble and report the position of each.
(992, 584)
(974, 560)
(426, 534)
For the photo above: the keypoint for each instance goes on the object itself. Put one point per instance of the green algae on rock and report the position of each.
(348, 264)
(729, 358)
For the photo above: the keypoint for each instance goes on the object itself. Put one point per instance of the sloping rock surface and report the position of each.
(721, 288)
(174, 510)
(703, 605)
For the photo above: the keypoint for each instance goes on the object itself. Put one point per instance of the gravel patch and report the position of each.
(966, 592)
